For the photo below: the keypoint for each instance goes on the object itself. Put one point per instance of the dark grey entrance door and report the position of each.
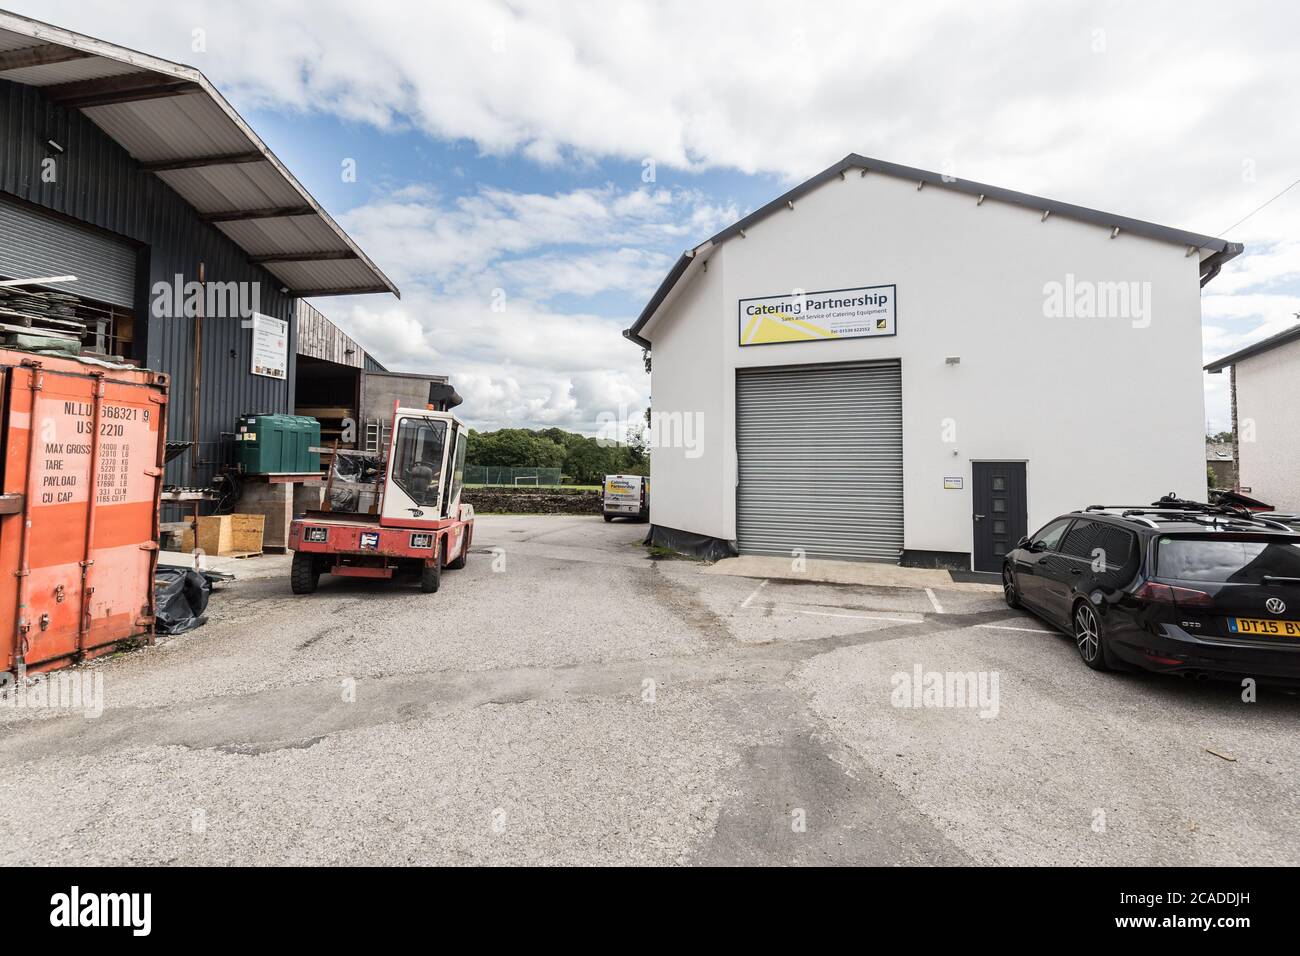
(1001, 516)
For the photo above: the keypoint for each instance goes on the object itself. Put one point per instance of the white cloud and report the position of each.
(1182, 113)
(415, 235)
(1150, 109)
(514, 368)
(1267, 264)
(627, 270)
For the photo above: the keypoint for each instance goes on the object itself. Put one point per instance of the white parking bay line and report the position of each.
(938, 608)
(855, 617)
(753, 594)
(1008, 627)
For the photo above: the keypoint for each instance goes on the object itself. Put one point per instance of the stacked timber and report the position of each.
(40, 321)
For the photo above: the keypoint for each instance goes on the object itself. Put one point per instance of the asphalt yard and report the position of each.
(567, 699)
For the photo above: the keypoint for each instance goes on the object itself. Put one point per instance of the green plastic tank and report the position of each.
(275, 444)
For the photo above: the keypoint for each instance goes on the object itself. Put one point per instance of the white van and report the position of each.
(626, 496)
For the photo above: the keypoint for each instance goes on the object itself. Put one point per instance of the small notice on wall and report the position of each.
(800, 316)
(952, 484)
(270, 346)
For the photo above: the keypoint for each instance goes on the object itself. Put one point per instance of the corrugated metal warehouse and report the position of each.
(135, 175)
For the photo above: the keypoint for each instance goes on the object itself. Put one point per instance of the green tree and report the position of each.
(513, 448)
(582, 459)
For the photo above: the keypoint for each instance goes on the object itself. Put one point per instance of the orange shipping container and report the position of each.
(83, 449)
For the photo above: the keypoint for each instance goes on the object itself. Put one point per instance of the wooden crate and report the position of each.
(237, 535)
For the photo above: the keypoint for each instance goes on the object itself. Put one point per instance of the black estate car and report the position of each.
(1181, 587)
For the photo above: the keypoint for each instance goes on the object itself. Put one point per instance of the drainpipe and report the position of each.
(1236, 451)
(92, 501)
(198, 379)
(24, 626)
(1215, 267)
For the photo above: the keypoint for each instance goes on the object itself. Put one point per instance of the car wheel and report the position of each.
(304, 574)
(1090, 636)
(1009, 589)
(431, 574)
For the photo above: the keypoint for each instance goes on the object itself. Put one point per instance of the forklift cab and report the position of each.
(426, 468)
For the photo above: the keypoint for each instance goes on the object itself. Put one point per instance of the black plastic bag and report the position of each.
(355, 466)
(180, 598)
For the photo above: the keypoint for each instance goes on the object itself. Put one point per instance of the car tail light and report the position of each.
(1168, 594)
(1167, 661)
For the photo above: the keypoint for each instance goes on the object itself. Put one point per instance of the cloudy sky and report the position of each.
(501, 148)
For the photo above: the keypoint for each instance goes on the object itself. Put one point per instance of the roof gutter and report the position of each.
(1214, 264)
(670, 281)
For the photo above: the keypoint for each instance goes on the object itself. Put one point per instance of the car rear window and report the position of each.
(1227, 560)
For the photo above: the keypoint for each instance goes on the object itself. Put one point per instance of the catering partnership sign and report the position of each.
(812, 316)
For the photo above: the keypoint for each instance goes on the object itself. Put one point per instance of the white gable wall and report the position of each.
(1102, 411)
(1268, 397)
(687, 378)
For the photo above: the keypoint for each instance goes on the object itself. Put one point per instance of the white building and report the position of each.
(1265, 398)
(885, 364)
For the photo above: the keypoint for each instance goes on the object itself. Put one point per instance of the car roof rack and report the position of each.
(1173, 508)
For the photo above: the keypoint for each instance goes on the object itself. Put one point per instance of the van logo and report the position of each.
(1276, 605)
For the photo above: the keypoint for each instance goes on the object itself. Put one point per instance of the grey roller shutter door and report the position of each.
(820, 454)
(35, 244)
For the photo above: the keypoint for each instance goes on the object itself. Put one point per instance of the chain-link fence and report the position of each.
(502, 475)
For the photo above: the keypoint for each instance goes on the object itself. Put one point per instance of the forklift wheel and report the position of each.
(608, 518)
(431, 575)
(304, 576)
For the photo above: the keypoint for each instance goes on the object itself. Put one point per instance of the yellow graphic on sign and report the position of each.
(780, 327)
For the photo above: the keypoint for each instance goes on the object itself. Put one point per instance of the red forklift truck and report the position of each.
(419, 525)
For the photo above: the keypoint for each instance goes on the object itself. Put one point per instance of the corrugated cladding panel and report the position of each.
(820, 455)
(320, 338)
(145, 127)
(326, 274)
(263, 236)
(100, 184)
(91, 68)
(239, 186)
(15, 41)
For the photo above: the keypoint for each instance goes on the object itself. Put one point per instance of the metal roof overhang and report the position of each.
(1213, 251)
(180, 129)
